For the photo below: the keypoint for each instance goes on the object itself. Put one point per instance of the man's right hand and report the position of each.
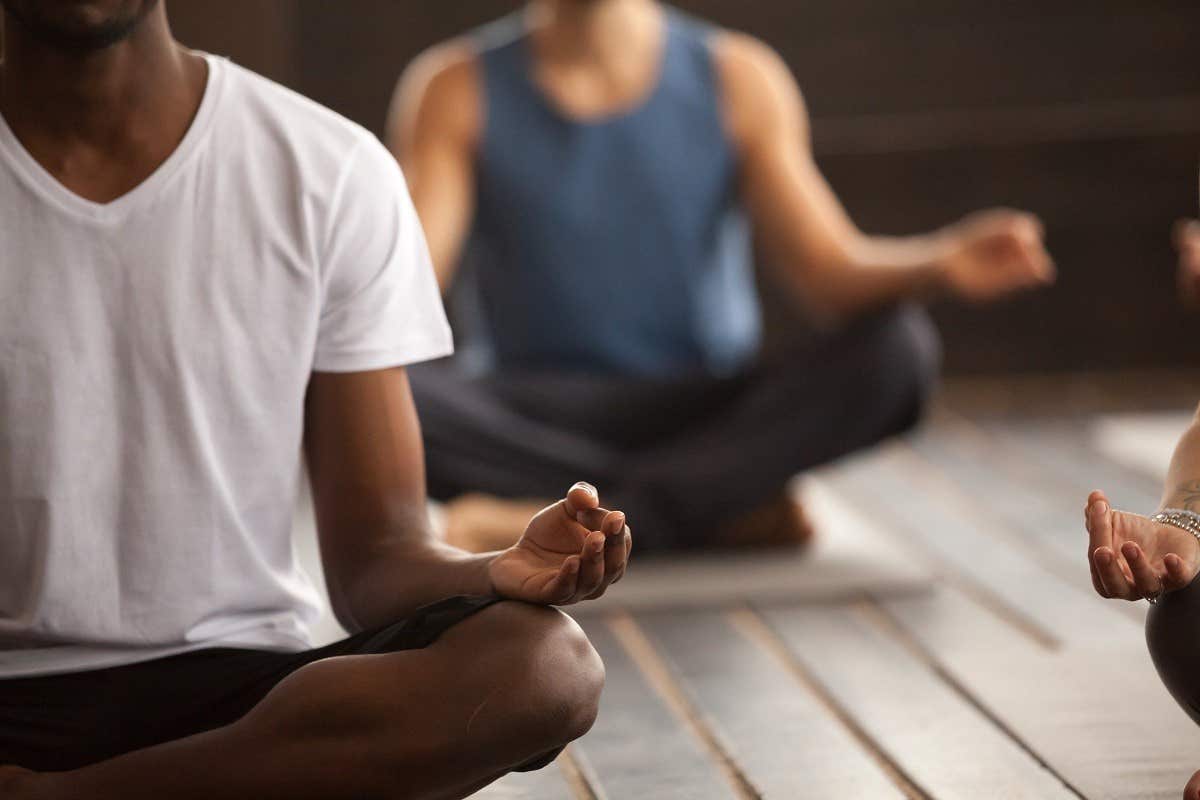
(1133, 557)
(1187, 242)
(572, 551)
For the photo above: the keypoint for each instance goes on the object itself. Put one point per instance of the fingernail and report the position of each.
(587, 487)
(1102, 557)
(1132, 553)
(574, 567)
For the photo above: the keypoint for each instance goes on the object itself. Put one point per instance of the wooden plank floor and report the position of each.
(948, 646)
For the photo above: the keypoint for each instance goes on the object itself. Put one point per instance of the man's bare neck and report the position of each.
(600, 31)
(101, 121)
(49, 94)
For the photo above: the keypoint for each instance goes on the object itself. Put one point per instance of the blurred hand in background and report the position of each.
(1187, 242)
(992, 254)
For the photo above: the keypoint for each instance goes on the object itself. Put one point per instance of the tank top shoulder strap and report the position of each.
(503, 48)
(690, 70)
(691, 38)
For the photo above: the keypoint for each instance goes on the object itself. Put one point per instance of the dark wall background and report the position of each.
(1086, 112)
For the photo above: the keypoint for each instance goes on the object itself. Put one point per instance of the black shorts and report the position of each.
(61, 722)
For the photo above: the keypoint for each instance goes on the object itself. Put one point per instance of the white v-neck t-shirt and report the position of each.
(154, 356)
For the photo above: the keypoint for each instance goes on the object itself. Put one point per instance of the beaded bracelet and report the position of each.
(1180, 518)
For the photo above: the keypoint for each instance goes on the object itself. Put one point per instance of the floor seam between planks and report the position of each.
(752, 626)
(1006, 459)
(940, 485)
(579, 775)
(657, 672)
(1014, 618)
(878, 616)
(949, 574)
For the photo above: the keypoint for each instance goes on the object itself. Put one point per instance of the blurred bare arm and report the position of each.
(1182, 489)
(1187, 242)
(434, 126)
(807, 233)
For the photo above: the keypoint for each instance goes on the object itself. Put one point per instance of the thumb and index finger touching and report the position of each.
(581, 497)
(582, 505)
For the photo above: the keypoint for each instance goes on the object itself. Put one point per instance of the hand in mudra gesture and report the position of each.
(573, 550)
(993, 254)
(1132, 557)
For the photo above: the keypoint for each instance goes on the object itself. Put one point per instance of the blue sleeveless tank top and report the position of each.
(616, 245)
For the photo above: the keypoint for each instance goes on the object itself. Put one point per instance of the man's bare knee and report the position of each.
(551, 674)
(507, 685)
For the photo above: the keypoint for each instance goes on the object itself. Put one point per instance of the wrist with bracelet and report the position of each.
(1180, 518)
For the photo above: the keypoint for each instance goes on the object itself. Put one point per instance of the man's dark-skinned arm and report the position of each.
(382, 560)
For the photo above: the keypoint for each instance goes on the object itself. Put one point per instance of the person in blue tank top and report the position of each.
(605, 167)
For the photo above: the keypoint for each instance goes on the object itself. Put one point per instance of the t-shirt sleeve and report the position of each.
(381, 306)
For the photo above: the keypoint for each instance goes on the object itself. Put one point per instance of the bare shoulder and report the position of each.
(742, 55)
(450, 69)
(757, 88)
(440, 90)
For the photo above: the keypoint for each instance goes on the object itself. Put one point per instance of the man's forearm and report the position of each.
(877, 271)
(1182, 488)
(399, 577)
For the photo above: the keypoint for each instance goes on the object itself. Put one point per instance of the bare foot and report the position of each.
(781, 522)
(1133, 557)
(481, 523)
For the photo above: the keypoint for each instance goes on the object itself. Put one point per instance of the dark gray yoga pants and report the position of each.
(1173, 635)
(681, 457)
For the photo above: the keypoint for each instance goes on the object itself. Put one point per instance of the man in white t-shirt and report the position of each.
(202, 276)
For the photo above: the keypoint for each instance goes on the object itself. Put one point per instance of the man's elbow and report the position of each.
(342, 605)
(822, 303)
